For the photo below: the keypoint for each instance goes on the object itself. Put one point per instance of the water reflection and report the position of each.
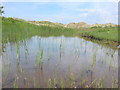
(53, 61)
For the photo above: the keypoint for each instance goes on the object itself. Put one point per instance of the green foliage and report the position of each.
(93, 61)
(49, 83)
(14, 30)
(40, 57)
(1, 10)
(107, 33)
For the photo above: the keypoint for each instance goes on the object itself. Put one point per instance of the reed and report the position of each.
(40, 57)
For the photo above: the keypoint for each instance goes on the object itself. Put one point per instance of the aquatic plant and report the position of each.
(34, 82)
(101, 84)
(60, 49)
(82, 82)
(49, 83)
(114, 83)
(62, 84)
(40, 57)
(25, 81)
(25, 47)
(94, 60)
(91, 84)
(17, 50)
(48, 54)
(15, 82)
(71, 77)
(55, 83)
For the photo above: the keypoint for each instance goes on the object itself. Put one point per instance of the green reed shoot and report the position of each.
(62, 84)
(55, 83)
(93, 61)
(49, 83)
(60, 49)
(48, 54)
(18, 50)
(15, 82)
(40, 57)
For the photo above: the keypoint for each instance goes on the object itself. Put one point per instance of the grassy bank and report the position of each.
(107, 36)
(15, 30)
(100, 33)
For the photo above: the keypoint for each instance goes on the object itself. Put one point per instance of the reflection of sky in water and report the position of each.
(67, 54)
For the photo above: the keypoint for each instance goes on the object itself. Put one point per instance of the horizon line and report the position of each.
(60, 22)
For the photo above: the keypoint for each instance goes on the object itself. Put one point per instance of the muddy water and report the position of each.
(58, 62)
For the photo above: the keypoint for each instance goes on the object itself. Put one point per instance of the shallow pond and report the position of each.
(58, 62)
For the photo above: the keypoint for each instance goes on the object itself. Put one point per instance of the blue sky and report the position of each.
(64, 12)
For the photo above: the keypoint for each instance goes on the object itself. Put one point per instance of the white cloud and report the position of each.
(98, 13)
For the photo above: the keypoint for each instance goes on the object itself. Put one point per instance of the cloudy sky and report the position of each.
(64, 12)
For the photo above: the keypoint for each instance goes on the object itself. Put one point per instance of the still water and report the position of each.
(41, 62)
